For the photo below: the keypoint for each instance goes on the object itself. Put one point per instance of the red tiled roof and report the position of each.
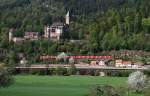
(126, 62)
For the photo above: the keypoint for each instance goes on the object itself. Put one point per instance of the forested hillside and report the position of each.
(104, 24)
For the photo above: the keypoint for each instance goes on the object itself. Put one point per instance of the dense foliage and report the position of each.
(107, 90)
(147, 92)
(102, 24)
(5, 78)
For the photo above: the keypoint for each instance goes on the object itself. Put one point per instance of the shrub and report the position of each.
(97, 73)
(72, 69)
(119, 73)
(124, 73)
(90, 72)
(61, 71)
(82, 72)
(147, 72)
(43, 72)
(38, 71)
(52, 71)
(34, 71)
(5, 78)
(106, 90)
(147, 91)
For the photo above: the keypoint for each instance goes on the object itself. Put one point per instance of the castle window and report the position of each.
(53, 29)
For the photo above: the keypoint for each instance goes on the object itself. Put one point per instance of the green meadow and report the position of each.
(58, 85)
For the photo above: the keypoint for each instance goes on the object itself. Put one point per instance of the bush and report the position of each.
(72, 69)
(82, 72)
(52, 71)
(97, 73)
(147, 72)
(147, 91)
(119, 73)
(124, 73)
(34, 72)
(5, 78)
(106, 90)
(38, 71)
(61, 71)
(43, 72)
(90, 72)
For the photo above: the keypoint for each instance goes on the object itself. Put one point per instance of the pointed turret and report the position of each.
(11, 34)
(68, 18)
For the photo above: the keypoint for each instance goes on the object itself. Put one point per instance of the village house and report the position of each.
(137, 64)
(14, 39)
(18, 40)
(122, 64)
(32, 35)
(99, 63)
(27, 36)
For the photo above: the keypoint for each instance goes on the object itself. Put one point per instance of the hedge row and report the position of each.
(60, 71)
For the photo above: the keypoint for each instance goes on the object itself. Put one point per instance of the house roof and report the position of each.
(12, 30)
(62, 55)
(31, 33)
(56, 24)
(126, 62)
(123, 62)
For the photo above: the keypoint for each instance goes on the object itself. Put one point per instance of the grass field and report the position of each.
(57, 86)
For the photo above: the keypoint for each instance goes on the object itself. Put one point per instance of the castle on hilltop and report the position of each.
(53, 32)
(56, 30)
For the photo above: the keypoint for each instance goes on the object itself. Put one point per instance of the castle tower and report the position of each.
(11, 35)
(68, 18)
(46, 32)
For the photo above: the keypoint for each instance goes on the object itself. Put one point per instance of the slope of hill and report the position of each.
(106, 24)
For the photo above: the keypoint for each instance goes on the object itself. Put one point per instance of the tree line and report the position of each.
(102, 24)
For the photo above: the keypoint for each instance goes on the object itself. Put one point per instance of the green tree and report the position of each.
(12, 58)
(146, 24)
(93, 39)
(5, 78)
(137, 23)
(147, 92)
